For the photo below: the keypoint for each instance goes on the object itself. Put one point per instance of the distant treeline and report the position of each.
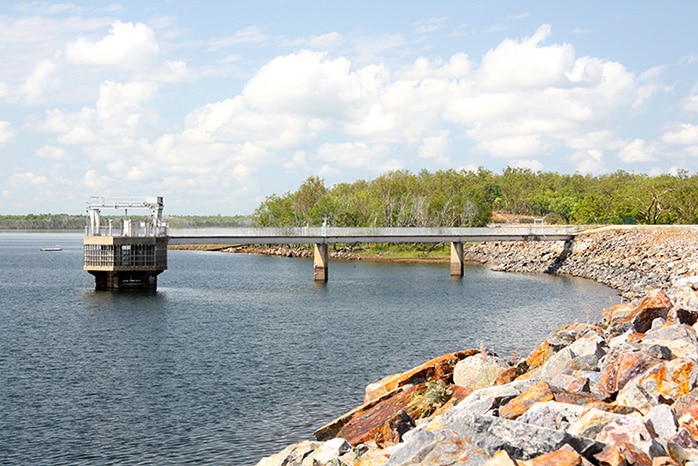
(469, 198)
(78, 222)
(42, 222)
(450, 198)
(215, 221)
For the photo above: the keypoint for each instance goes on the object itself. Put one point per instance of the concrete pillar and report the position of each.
(320, 258)
(456, 259)
(113, 281)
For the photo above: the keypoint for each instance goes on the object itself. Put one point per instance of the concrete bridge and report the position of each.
(131, 252)
(321, 237)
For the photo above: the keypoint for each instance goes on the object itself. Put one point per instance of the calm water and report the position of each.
(235, 356)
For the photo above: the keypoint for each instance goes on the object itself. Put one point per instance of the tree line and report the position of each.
(450, 198)
(464, 198)
(42, 222)
(78, 222)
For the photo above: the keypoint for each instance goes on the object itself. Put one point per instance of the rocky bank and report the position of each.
(632, 260)
(619, 392)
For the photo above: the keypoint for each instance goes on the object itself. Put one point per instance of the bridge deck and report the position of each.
(333, 235)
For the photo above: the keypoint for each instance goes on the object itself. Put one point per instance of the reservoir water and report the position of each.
(235, 356)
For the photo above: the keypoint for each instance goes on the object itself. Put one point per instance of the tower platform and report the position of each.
(130, 254)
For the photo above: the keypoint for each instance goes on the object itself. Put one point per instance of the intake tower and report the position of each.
(125, 252)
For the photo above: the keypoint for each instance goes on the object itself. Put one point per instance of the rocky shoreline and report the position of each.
(631, 260)
(620, 392)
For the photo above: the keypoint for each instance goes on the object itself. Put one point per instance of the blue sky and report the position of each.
(216, 105)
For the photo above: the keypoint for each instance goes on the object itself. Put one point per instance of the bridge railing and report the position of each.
(305, 232)
(134, 229)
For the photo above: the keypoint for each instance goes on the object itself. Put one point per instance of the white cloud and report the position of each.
(514, 146)
(121, 116)
(304, 83)
(327, 170)
(589, 162)
(41, 80)
(7, 133)
(435, 147)
(354, 155)
(79, 135)
(51, 152)
(247, 35)
(426, 25)
(127, 45)
(94, 180)
(298, 160)
(533, 165)
(649, 84)
(686, 134)
(233, 122)
(124, 100)
(375, 49)
(527, 98)
(461, 30)
(28, 178)
(326, 41)
(604, 139)
(637, 150)
(175, 71)
(690, 103)
(458, 66)
(518, 16)
(4, 91)
(526, 64)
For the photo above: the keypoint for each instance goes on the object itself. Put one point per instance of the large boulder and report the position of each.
(479, 371)
(552, 414)
(465, 437)
(630, 435)
(307, 453)
(394, 404)
(679, 338)
(655, 305)
(439, 368)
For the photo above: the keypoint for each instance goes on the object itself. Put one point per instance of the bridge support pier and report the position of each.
(456, 259)
(321, 259)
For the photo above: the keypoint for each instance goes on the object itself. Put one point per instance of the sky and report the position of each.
(216, 105)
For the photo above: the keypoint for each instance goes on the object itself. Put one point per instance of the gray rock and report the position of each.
(552, 415)
(583, 354)
(659, 352)
(661, 420)
(680, 339)
(469, 433)
(292, 455)
(691, 282)
(633, 395)
(632, 430)
(592, 422)
(657, 323)
(486, 399)
(478, 371)
(433, 448)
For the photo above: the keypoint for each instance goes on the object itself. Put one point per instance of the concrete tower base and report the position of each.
(147, 281)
